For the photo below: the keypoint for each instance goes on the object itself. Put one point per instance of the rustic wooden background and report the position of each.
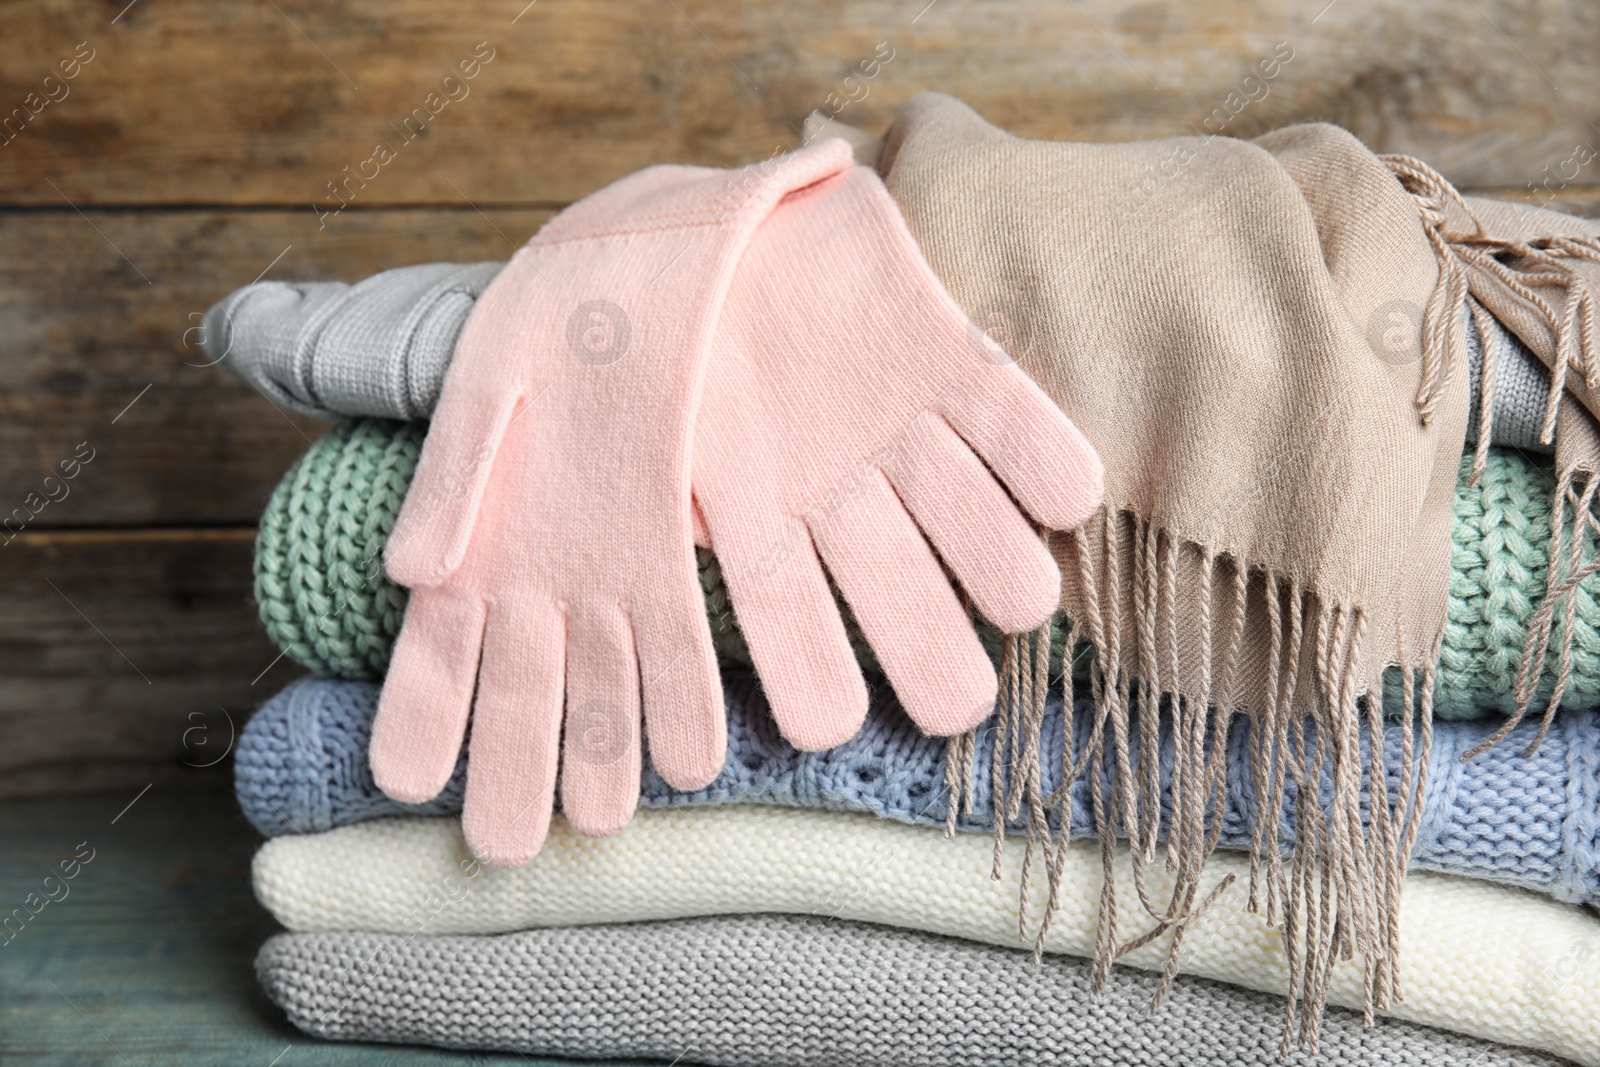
(190, 155)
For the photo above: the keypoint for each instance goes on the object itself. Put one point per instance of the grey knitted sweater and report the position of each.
(790, 991)
(379, 347)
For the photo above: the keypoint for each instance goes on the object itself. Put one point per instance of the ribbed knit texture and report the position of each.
(325, 599)
(1521, 386)
(1534, 822)
(1480, 959)
(791, 991)
(373, 348)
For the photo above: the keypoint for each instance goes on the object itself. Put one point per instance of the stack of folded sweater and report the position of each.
(758, 905)
(814, 844)
(804, 907)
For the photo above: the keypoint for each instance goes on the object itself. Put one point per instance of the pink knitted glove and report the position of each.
(848, 403)
(548, 526)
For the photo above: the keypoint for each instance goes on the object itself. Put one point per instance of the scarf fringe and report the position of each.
(1524, 267)
(1333, 886)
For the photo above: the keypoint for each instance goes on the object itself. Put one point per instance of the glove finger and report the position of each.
(600, 748)
(1046, 462)
(994, 552)
(681, 689)
(516, 732)
(796, 637)
(434, 528)
(905, 606)
(422, 711)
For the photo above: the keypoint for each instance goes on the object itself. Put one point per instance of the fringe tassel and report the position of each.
(1487, 377)
(1523, 267)
(1332, 884)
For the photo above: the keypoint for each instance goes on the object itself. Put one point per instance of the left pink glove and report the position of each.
(549, 523)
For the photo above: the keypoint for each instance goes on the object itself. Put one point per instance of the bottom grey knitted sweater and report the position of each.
(792, 991)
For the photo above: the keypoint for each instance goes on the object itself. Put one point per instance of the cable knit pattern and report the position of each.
(792, 991)
(1480, 959)
(1499, 563)
(323, 595)
(1529, 821)
(325, 599)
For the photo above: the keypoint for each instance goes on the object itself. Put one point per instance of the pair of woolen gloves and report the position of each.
(759, 361)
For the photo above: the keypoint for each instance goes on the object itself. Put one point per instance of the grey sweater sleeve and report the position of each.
(789, 991)
(380, 347)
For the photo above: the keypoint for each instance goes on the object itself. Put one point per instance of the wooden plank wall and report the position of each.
(156, 154)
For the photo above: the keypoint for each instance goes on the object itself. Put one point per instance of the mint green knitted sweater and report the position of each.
(326, 601)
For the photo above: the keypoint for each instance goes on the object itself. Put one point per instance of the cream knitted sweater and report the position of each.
(1477, 959)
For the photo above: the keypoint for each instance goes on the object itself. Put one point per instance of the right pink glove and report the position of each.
(848, 403)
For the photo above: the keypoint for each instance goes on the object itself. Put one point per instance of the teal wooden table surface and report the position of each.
(129, 932)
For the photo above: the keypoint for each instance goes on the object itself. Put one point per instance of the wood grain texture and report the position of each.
(131, 657)
(198, 143)
(196, 102)
(83, 333)
(1575, 199)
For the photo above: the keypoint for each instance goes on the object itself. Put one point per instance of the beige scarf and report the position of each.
(1265, 342)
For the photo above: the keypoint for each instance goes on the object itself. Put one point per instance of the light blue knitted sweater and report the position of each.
(1534, 822)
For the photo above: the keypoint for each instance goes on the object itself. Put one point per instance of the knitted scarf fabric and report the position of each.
(326, 601)
(793, 991)
(1527, 820)
(1480, 959)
